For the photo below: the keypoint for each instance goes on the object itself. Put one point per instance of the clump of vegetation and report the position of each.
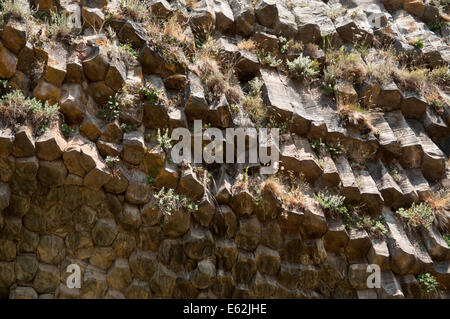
(128, 53)
(447, 239)
(410, 80)
(303, 67)
(354, 115)
(14, 9)
(335, 149)
(168, 201)
(253, 103)
(150, 94)
(418, 43)
(112, 161)
(138, 10)
(441, 76)
(428, 282)
(128, 127)
(343, 65)
(418, 215)
(111, 110)
(59, 26)
(16, 110)
(266, 58)
(66, 130)
(164, 139)
(248, 45)
(334, 205)
(150, 179)
(289, 46)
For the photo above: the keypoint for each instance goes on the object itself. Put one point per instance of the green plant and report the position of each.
(15, 9)
(418, 215)
(418, 43)
(111, 110)
(428, 282)
(245, 175)
(150, 180)
(168, 201)
(59, 25)
(66, 130)
(331, 203)
(128, 127)
(128, 53)
(112, 161)
(266, 58)
(136, 9)
(150, 94)
(164, 139)
(303, 67)
(447, 239)
(16, 110)
(435, 26)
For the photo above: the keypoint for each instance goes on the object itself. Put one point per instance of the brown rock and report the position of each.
(104, 232)
(47, 279)
(23, 145)
(143, 264)
(52, 173)
(249, 233)
(119, 275)
(51, 249)
(45, 91)
(8, 63)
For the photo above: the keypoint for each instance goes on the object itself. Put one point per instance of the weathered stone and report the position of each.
(143, 264)
(133, 147)
(223, 286)
(177, 223)
(119, 275)
(138, 290)
(94, 283)
(132, 33)
(203, 276)
(52, 172)
(226, 254)
(23, 145)
(95, 66)
(390, 287)
(245, 268)
(249, 233)
(206, 210)
(8, 63)
(336, 238)
(45, 91)
(242, 201)
(84, 218)
(358, 244)
(5, 196)
(400, 248)
(104, 232)
(124, 244)
(47, 279)
(100, 92)
(149, 238)
(138, 191)
(163, 282)
(51, 249)
(198, 244)
(379, 253)
(14, 35)
(357, 275)
(196, 105)
(171, 254)
(102, 257)
(7, 250)
(73, 102)
(267, 261)
(130, 217)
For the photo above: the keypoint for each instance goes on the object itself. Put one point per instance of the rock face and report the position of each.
(100, 187)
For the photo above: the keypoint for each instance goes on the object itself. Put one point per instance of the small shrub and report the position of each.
(59, 25)
(418, 215)
(16, 110)
(111, 110)
(447, 239)
(128, 127)
(128, 53)
(66, 130)
(418, 43)
(112, 161)
(151, 95)
(441, 76)
(333, 204)
(164, 139)
(15, 9)
(266, 58)
(150, 180)
(428, 282)
(344, 65)
(168, 201)
(135, 9)
(303, 67)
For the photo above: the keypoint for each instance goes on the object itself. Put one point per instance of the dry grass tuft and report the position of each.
(440, 202)
(248, 45)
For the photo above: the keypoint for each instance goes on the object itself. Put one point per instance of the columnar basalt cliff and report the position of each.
(359, 90)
